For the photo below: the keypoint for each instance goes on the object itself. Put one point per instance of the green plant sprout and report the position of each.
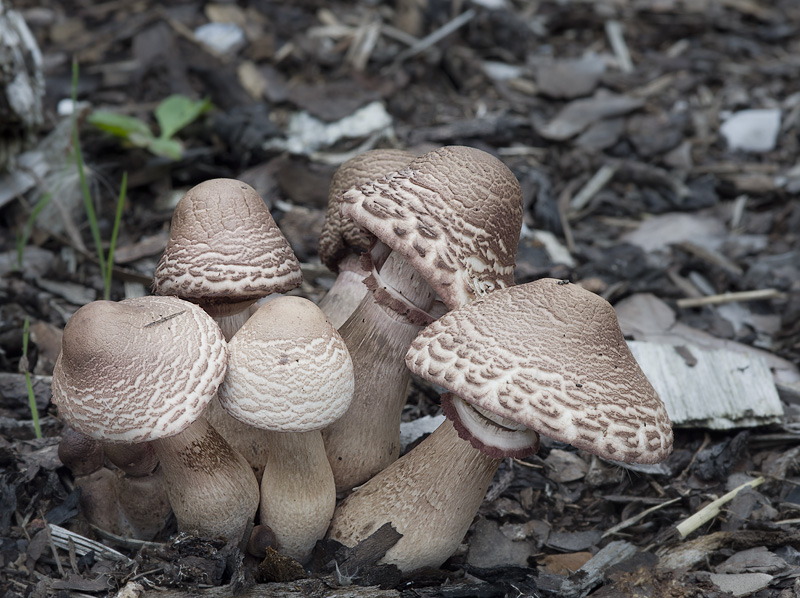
(23, 364)
(172, 114)
(106, 262)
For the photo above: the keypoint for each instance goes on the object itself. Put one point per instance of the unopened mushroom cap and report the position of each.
(289, 370)
(455, 214)
(548, 355)
(340, 235)
(138, 370)
(224, 247)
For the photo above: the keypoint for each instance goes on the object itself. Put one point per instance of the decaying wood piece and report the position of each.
(717, 389)
(689, 554)
(311, 587)
(21, 85)
(589, 576)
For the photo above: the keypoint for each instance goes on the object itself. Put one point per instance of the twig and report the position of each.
(756, 295)
(61, 538)
(631, 520)
(435, 36)
(52, 543)
(711, 510)
(592, 188)
(562, 205)
(618, 45)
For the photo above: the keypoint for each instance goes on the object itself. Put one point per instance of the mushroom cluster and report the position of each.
(218, 397)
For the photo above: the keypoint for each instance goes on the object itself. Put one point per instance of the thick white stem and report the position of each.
(347, 291)
(298, 494)
(367, 438)
(211, 487)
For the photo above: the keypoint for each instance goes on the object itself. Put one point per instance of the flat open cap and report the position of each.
(340, 235)
(289, 370)
(224, 247)
(138, 370)
(455, 214)
(548, 355)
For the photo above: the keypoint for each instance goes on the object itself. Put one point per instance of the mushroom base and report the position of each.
(429, 495)
(210, 486)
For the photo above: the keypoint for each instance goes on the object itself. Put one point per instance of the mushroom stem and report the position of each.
(346, 293)
(230, 317)
(298, 493)
(211, 487)
(98, 484)
(143, 501)
(367, 438)
(245, 439)
(430, 495)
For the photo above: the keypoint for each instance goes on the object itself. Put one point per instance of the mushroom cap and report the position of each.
(138, 370)
(455, 214)
(224, 247)
(339, 234)
(289, 370)
(548, 355)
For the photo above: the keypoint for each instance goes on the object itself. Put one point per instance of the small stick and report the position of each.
(592, 188)
(436, 36)
(631, 520)
(756, 295)
(711, 510)
(618, 45)
(563, 203)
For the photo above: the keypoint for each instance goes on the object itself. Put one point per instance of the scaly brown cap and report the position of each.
(224, 247)
(455, 214)
(548, 355)
(139, 369)
(340, 235)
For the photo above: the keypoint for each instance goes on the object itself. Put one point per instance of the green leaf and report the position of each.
(119, 125)
(177, 111)
(168, 148)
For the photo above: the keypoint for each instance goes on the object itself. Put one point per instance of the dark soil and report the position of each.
(505, 81)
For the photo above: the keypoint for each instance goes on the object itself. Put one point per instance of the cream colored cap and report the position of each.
(138, 370)
(289, 370)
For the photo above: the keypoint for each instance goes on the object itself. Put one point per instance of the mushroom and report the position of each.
(540, 358)
(290, 374)
(341, 241)
(143, 499)
(449, 224)
(99, 502)
(224, 253)
(144, 370)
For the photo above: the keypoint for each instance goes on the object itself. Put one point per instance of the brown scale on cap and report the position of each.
(339, 236)
(549, 356)
(224, 247)
(139, 369)
(454, 213)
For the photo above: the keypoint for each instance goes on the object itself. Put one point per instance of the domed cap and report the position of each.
(289, 370)
(340, 235)
(455, 214)
(224, 247)
(138, 370)
(548, 355)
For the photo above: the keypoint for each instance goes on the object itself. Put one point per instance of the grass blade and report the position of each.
(87, 198)
(123, 189)
(26, 331)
